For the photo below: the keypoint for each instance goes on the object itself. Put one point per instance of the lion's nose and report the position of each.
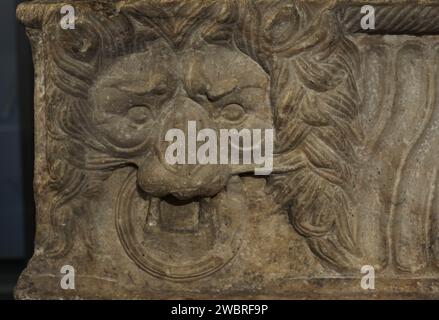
(188, 117)
(186, 179)
(179, 111)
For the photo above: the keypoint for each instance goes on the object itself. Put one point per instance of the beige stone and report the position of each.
(355, 176)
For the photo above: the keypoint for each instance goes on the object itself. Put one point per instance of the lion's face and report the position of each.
(139, 97)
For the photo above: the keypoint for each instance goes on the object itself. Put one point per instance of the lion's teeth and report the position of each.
(153, 216)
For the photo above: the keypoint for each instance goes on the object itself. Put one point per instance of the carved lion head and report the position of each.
(125, 76)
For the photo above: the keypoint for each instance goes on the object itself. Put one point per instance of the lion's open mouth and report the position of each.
(180, 215)
(171, 203)
(175, 215)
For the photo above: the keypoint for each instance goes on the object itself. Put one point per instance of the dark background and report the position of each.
(16, 149)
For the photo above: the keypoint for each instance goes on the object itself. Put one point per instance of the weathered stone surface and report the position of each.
(356, 119)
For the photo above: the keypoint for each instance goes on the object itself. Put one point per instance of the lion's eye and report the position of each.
(233, 112)
(140, 114)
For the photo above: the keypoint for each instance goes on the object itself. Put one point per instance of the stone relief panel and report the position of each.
(403, 161)
(354, 177)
